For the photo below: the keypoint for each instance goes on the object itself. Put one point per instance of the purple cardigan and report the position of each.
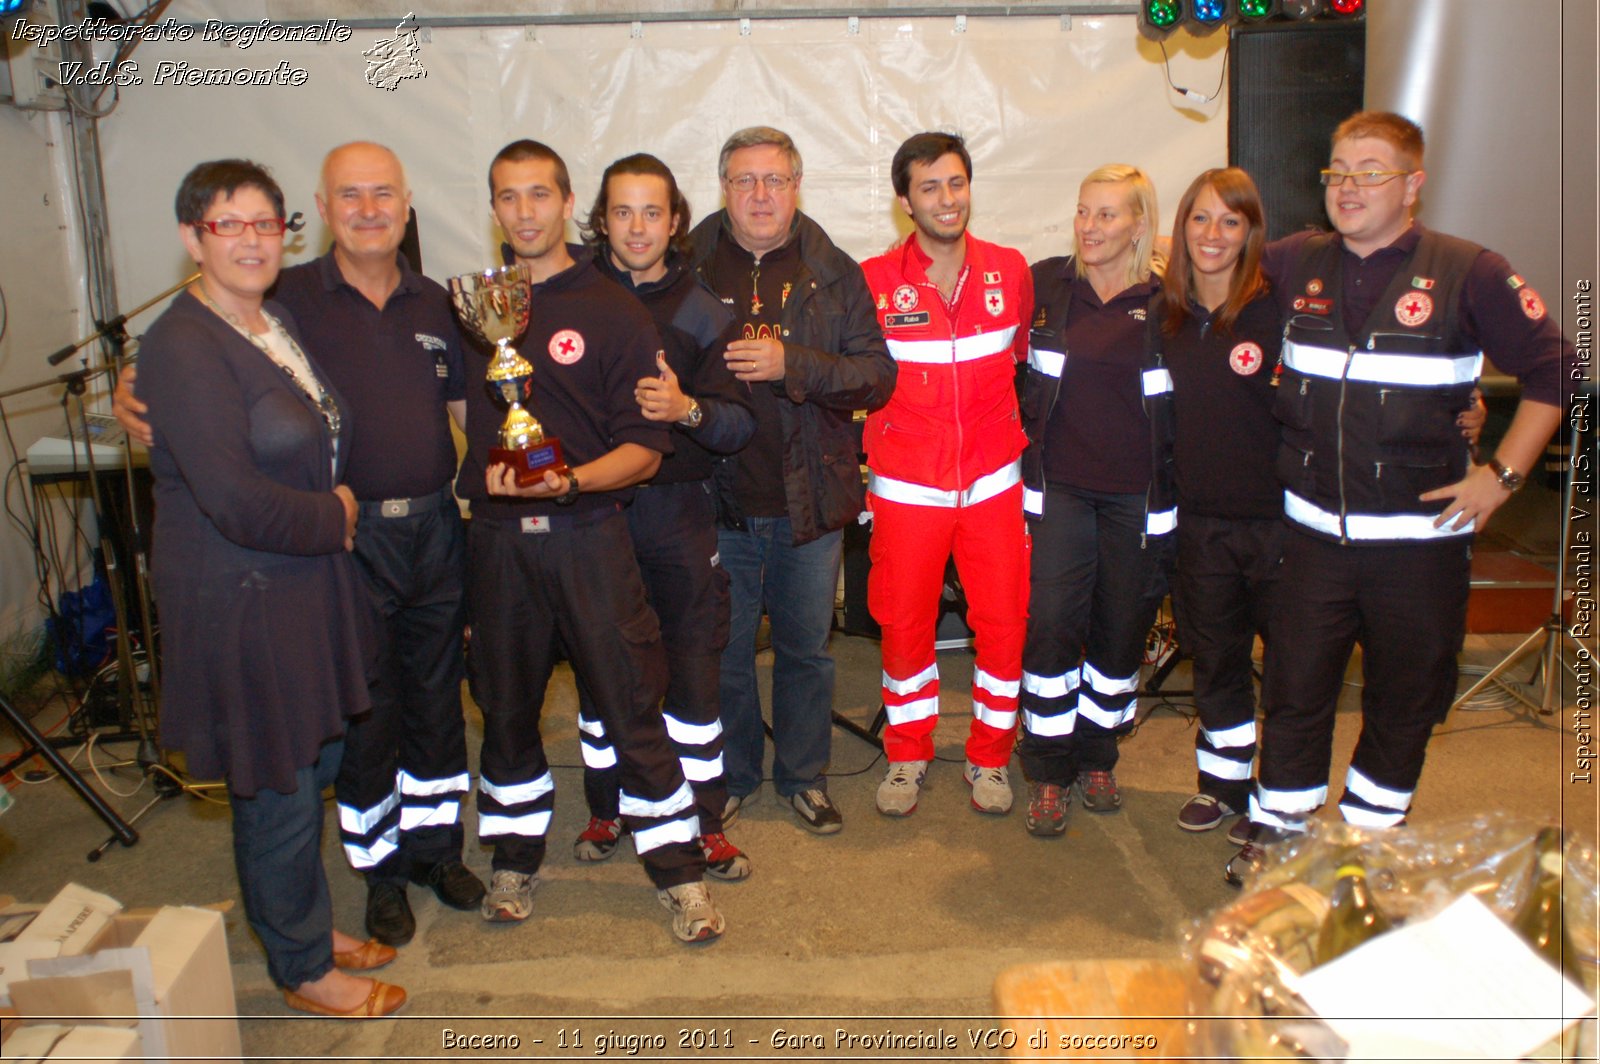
(265, 628)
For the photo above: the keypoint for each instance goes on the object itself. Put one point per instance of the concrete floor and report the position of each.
(904, 918)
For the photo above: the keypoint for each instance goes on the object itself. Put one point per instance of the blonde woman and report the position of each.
(1098, 496)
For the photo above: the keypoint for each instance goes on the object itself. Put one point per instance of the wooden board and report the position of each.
(1093, 1010)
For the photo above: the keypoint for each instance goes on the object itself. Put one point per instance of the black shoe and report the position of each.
(389, 918)
(817, 812)
(452, 881)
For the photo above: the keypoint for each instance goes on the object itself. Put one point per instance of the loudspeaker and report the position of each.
(1289, 86)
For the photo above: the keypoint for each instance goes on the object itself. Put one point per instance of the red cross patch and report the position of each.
(1532, 305)
(994, 301)
(1413, 309)
(1314, 286)
(566, 346)
(905, 298)
(1245, 359)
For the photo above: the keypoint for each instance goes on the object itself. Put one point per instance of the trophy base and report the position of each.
(531, 463)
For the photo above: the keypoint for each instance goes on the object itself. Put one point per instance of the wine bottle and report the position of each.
(1353, 917)
(1541, 920)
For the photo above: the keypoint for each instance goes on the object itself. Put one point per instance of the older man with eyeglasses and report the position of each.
(812, 353)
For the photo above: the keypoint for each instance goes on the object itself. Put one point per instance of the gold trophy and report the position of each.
(493, 306)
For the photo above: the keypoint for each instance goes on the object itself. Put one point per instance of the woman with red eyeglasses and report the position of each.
(263, 616)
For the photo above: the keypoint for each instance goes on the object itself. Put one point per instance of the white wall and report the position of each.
(1040, 106)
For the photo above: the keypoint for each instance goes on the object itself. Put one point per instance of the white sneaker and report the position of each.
(510, 897)
(897, 794)
(991, 789)
(694, 917)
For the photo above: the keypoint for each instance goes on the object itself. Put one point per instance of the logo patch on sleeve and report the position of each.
(1532, 305)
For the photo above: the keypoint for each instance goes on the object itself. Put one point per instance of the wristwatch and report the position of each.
(1509, 479)
(692, 419)
(572, 490)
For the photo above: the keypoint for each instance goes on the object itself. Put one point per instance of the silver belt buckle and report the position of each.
(396, 507)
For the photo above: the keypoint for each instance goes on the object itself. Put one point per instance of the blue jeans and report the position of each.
(796, 585)
(277, 850)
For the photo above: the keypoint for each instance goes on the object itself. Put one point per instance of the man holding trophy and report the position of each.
(549, 555)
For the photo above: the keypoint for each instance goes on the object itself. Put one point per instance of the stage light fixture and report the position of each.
(1207, 16)
(1257, 10)
(1301, 10)
(1348, 8)
(1158, 19)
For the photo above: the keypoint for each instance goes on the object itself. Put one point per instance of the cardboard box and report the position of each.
(94, 1044)
(74, 920)
(166, 973)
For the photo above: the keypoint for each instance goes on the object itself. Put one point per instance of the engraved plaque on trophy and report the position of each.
(493, 306)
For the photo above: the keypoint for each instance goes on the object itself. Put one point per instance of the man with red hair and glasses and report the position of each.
(1388, 325)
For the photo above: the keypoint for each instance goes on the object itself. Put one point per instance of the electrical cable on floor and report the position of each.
(1494, 696)
(89, 748)
(193, 790)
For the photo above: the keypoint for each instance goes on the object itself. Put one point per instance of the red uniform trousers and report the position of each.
(910, 546)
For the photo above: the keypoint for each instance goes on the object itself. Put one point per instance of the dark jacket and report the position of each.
(695, 329)
(1052, 295)
(835, 364)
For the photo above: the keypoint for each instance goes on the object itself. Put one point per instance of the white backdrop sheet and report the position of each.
(1040, 103)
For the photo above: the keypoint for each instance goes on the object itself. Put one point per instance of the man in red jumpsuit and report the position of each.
(945, 472)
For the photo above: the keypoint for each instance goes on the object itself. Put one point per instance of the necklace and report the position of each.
(298, 369)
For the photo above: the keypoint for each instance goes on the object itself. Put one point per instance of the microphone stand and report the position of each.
(35, 743)
(130, 692)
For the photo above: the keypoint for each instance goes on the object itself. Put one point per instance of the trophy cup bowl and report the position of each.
(493, 305)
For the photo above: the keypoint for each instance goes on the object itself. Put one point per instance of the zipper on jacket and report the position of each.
(955, 385)
(1344, 381)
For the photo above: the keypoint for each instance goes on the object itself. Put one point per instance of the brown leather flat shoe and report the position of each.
(386, 998)
(368, 956)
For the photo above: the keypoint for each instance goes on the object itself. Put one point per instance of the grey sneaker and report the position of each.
(991, 789)
(694, 917)
(897, 794)
(737, 802)
(510, 897)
